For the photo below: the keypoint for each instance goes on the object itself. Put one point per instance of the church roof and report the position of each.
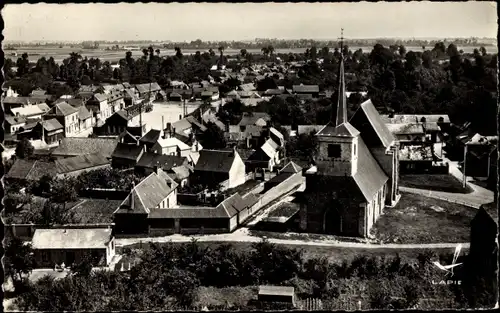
(368, 110)
(343, 130)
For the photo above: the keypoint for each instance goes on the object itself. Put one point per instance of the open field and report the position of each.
(437, 182)
(59, 54)
(418, 219)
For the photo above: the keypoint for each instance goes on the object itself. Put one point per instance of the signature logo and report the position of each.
(449, 268)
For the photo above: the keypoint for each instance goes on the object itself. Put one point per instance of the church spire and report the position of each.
(342, 98)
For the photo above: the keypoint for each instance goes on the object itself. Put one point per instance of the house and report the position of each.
(13, 123)
(67, 116)
(408, 133)
(270, 153)
(31, 111)
(9, 93)
(99, 105)
(481, 156)
(175, 97)
(145, 90)
(209, 117)
(216, 166)
(346, 189)
(171, 146)
(206, 93)
(149, 161)
(157, 191)
(50, 131)
(77, 165)
(126, 155)
(188, 125)
(85, 118)
(150, 138)
(71, 245)
(290, 169)
(116, 101)
(312, 90)
(74, 146)
(280, 294)
(117, 123)
(253, 118)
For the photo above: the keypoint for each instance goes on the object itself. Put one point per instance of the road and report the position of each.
(475, 199)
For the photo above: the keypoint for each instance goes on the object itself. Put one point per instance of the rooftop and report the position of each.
(71, 238)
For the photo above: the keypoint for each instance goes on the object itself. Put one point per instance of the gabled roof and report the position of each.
(28, 110)
(252, 118)
(127, 137)
(152, 136)
(44, 107)
(291, 167)
(368, 110)
(52, 124)
(127, 151)
(270, 148)
(80, 146)
(215, 161)
(101, 97)
(71, 238)
(343, 130)
(166, 162)
(149, 193)
(83, 113)
(64, 109)
(173, 142)
(16, 100)
(31, 169)
(80, 162)
(406, 129)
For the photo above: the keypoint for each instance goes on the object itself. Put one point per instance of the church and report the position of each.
(355, 175)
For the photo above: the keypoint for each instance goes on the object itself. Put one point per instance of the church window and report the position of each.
(333, 151)
(354, 149)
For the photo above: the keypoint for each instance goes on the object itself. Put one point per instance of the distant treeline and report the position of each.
(277, 43)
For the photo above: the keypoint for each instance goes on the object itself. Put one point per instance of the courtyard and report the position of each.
(168, 111)
(419, 219)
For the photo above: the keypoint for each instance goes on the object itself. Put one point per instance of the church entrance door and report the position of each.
(332, 221)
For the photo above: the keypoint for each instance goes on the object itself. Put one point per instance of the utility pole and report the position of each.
(465, 161)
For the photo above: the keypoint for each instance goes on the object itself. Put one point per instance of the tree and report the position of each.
(84, 267)
(483, 50)
(18, 259)
(24, 149)
(452, 50)
(402, 51)
(213, 137)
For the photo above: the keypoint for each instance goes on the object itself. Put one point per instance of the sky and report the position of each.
(247, 21)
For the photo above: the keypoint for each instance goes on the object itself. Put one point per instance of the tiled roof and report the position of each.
(15, 120)
(127, 151)
(252, 118)
(40, 169)
(16, 100)
(181, 125)
(194, 122)
(127, 137)
(64, 109)
(20, 169)
(180, 172)
(101, 97)
(71, 238)
(343, 130)
(28, 110)
(270, 148)
(52, 124)
(44, 107)
(149, 193)
(189, 212)
(273, 92)
(406, 129)
(80, 162)
(215, 161)
(95, 210)
(83, 113)
(166, 162)
(369, 111)
(305, 88)
(80, 146)
(151, 136)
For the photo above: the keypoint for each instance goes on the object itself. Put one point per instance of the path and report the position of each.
(241, 235)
